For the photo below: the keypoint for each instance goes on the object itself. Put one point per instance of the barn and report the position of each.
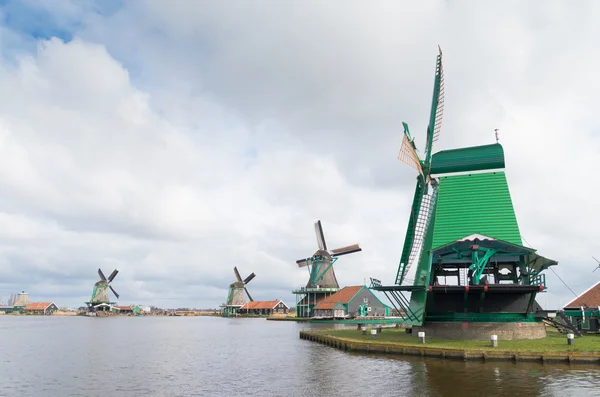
(584, 310)
(40, 308)
(350, 302)
(265, 308)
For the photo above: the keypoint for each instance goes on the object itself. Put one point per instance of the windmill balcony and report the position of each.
(304, 290)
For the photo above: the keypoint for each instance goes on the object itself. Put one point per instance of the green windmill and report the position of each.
(100, 302)
(471, 270)
(322, 281)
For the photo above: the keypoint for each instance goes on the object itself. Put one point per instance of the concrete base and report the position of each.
(482, 331)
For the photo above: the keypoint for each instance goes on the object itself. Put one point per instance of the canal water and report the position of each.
(204, 356)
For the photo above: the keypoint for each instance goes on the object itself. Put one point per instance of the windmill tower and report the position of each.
(100, 302)
(21, 299)
(235, 297)
(321, 281)
(471, 269)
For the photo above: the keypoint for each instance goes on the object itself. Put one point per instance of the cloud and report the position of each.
(176, 142)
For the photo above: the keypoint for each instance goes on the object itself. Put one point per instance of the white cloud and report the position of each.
(176, 142)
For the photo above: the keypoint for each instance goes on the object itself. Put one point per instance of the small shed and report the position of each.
(265, 308)
(352, 301)
(130, 309)
(40, 308)
(584, 310)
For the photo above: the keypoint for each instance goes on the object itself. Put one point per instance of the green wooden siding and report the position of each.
(486, 157)
(476, 203)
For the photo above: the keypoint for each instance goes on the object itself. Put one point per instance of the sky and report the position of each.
(176, 140)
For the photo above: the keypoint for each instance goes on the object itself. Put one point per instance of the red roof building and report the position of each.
(40, 308)
(589, 298)
(265, 307)
(584, 310)
(352, 301)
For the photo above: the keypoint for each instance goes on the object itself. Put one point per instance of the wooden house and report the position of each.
(40, 308)
(265, 308)
(350, 302)
(584, 310)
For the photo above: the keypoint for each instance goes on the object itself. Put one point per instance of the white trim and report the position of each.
(583, 293)
(474, 236)
(467, 172)
(283, 304)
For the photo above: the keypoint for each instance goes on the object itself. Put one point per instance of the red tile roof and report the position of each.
(264, 305)
(342, 296)
(130, 307)
(590, 297)
(326, 305)
(37, 306)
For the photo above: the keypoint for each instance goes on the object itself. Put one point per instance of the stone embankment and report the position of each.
(450, 353)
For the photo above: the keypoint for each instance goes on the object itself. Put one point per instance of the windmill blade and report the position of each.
(237, 274)
(421, 212)
(437, 108)
(113, 290)
(596, 259)
(101, 275)
(320, 236)
(113, 275)
(303, 262)
(439, 114)
(248, 293)
(408, 152)
(346, 250)
(250, 277)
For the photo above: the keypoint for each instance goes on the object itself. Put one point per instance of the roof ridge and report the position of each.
(582, 294)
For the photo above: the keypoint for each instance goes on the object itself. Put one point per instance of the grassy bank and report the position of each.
(554, 342)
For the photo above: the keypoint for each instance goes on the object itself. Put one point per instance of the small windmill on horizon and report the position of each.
(235, 297)
(597, 267)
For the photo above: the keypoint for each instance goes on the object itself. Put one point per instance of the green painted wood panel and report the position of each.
(486, 157)
(475, 203)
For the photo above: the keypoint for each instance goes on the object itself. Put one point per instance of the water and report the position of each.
(203, 356)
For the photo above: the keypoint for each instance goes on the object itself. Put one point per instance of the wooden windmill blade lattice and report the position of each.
(408, 155)
(439, 113)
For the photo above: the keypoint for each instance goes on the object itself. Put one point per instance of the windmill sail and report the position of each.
(421, 225)
(237, 274)
(410, 230)
(248, 293)
(439, 111)
(320, 236)
(408, 152)
(423, 200)
(437, 108)
(346, 250)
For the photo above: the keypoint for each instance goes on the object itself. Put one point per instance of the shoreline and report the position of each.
(472, 354)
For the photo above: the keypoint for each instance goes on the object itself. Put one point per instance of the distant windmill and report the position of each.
(237, 289)
(100, 300)
(321, 263)
(321, 281)
(596, 266)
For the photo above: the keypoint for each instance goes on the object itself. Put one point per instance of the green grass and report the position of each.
(554, 342)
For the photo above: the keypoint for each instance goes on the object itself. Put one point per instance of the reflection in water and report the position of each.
(185, 356)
